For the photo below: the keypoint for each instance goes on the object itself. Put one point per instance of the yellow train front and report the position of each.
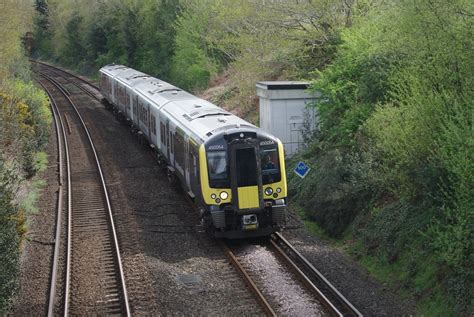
(243, 183)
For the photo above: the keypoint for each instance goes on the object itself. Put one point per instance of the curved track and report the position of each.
(333, 302)
(95, 282)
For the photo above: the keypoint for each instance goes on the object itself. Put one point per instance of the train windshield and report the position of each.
(270, 165)
(217, 165)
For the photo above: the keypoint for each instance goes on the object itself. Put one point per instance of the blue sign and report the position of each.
(302, 169)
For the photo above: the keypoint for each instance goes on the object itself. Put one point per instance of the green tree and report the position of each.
(42, 32)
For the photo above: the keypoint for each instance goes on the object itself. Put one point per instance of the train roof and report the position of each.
(126, 75)
(200, 117)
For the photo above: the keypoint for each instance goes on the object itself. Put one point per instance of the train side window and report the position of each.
(153, 124)
(135, 107)
(172, 144)
(127, 99)
(179, 150)
(162, 133)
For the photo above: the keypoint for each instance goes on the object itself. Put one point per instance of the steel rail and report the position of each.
(69, 222)
(59, 126)
(62, 70)
(88, 92)
(109, 208)
(248, 280)
(333, 311)
(349, 309)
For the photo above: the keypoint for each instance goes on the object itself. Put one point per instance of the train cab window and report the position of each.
(246, 165)
(217, 166)
(270, 165)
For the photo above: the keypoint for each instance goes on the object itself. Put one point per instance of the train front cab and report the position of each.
(243, 183)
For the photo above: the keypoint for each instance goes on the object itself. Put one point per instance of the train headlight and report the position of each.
(223, 195)
(278, 190)
(268, 191)
(213, 196)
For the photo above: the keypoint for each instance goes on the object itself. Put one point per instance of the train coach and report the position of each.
(233, 171)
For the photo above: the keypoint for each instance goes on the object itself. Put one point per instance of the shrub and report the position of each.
(9, 242)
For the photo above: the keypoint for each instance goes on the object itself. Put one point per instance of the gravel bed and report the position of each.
(354, 282)
(280, 287)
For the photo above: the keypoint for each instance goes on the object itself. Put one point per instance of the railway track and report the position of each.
(329, 300)
(332, 301)
(94, 279)
(322, 288)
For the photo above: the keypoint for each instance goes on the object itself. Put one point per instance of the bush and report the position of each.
(394, 157)
(9, 242)
(329, 193)
(24, 129)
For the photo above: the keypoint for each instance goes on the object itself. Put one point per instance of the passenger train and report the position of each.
(233, 170)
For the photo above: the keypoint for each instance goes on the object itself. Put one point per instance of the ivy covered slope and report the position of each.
(394, 158)
(24, 127)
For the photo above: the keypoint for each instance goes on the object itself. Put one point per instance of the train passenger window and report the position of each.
(162, 133)
(270, 165)
(217, 166)
(153, 124)
(179, 148)
(246, 166)
(171, 141)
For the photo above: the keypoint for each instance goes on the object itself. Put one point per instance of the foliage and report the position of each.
(192, 64)
(24, 129)
(91, 34)
(14, 22)
(9, 243)
(42, 29)
(396, 136)
(254, 41)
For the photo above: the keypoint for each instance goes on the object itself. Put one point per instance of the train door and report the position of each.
(246, 177)
(193, 166)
